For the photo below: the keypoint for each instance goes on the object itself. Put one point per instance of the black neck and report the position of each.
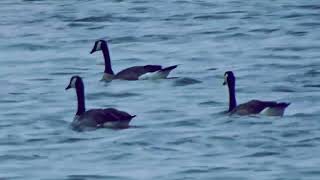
(107, 61)
(80, 97)
(232, 96)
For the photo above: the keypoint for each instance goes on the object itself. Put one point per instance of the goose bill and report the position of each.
(68, 87)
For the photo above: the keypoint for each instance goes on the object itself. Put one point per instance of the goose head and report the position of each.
(229, 78)
(98, 46)
(75, 82)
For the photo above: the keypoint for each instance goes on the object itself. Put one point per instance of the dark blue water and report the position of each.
(179, 132)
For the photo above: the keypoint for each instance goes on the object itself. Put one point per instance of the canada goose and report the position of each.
(270, 108)
(132, 73)
(95, 118)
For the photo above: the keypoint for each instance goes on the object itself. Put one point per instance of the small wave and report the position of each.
(61, 17)
(162, 111)
(234, 35)
(297, 33)
(264, 30)
(29, 46)
(35, 21)
(212, 69)
(76, 68)
(167, 149)
(304, 115)
(3, 126)
(251, 121)
(231, 12)
(157, 37)
(295, 133)
(312, 85)
(311, 172)
(96, 27)
(32, 0)
(123, 39)
(193, 171)
(262, 154)
(293, 15)
(71, 140)
(89, 176)
(29, 35)
(141, 9)
(12, 157)
(127, 60)
(222, 138)
(310, 140)
(134, 143)
(301, 145)
(185, 140)
(185, 82)
(309, 7)
(183, 123)
(232, 28)
(121, 156)
(310, 24)
(105, 18)
(17, 93)
(210, 103)
(65, 73)
(109, 18)
(277, 65)
(75, 24)
(9, 100)
(271, 56)
(208, 17)
(283, 89)
(99, 95)
(293, 48)
(209, 32)
(312, 73)
(178, 17)
(314, 6)
(41, 79)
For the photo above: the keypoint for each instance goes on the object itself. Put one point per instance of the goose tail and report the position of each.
(163, 73)
(168, 68)
(276, 109)
(283, 104)
(159, 74)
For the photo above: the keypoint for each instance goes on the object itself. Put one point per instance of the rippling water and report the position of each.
(179, 132)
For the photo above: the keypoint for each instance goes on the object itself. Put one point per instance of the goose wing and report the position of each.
(254, 107)
(134, 72)
(98, 117)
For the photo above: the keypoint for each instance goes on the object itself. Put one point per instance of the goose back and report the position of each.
(133, 73)
(270, 108)
(98, 117)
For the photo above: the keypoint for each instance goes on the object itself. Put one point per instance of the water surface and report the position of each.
(179, 132)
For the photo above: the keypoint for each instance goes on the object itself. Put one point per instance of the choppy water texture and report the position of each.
(179, 132)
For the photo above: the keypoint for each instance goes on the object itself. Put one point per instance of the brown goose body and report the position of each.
(131, 73)
(96, 118)
(270, 108)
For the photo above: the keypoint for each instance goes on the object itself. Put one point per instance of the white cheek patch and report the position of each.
(225, 77)
(98, 47)
(73, 83)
